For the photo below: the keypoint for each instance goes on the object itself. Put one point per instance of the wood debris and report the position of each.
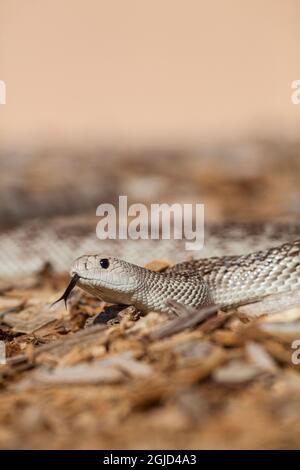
(85, 373)
(105, 376)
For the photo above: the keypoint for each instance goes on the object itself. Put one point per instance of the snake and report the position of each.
(226, 281)
(236, 266)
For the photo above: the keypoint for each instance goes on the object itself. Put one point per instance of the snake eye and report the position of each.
(104, 263)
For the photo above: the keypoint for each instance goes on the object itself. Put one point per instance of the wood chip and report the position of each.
(236, 372)
(126, 362)
(272, 304)
(260, 357)
(158, 265)
(86, 373)
(31, 318)
(10, 304)
(289, 330)
(189, 318)
(290, 315)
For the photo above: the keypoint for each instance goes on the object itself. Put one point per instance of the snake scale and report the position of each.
(216, 277)
(227, 281)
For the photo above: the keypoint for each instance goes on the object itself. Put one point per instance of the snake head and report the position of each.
(109, 278)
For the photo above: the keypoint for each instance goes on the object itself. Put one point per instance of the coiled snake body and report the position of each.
(227, 281)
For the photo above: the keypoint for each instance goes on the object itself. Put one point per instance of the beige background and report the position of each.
(139, 71)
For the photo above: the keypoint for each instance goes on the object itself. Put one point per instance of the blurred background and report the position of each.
(138, 98)
(143, 73)
(161, 101)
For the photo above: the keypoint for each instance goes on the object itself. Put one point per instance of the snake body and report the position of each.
(227, 280)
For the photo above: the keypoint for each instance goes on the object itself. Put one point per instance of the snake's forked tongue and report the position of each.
(68, 290)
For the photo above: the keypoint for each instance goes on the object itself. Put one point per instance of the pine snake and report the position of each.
(222, 279)
(226, 281)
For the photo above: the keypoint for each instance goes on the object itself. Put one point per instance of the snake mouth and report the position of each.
(74, 279)
(93, 280)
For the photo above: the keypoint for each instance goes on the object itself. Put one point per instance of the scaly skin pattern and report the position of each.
(25, 249)
(227, 281)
